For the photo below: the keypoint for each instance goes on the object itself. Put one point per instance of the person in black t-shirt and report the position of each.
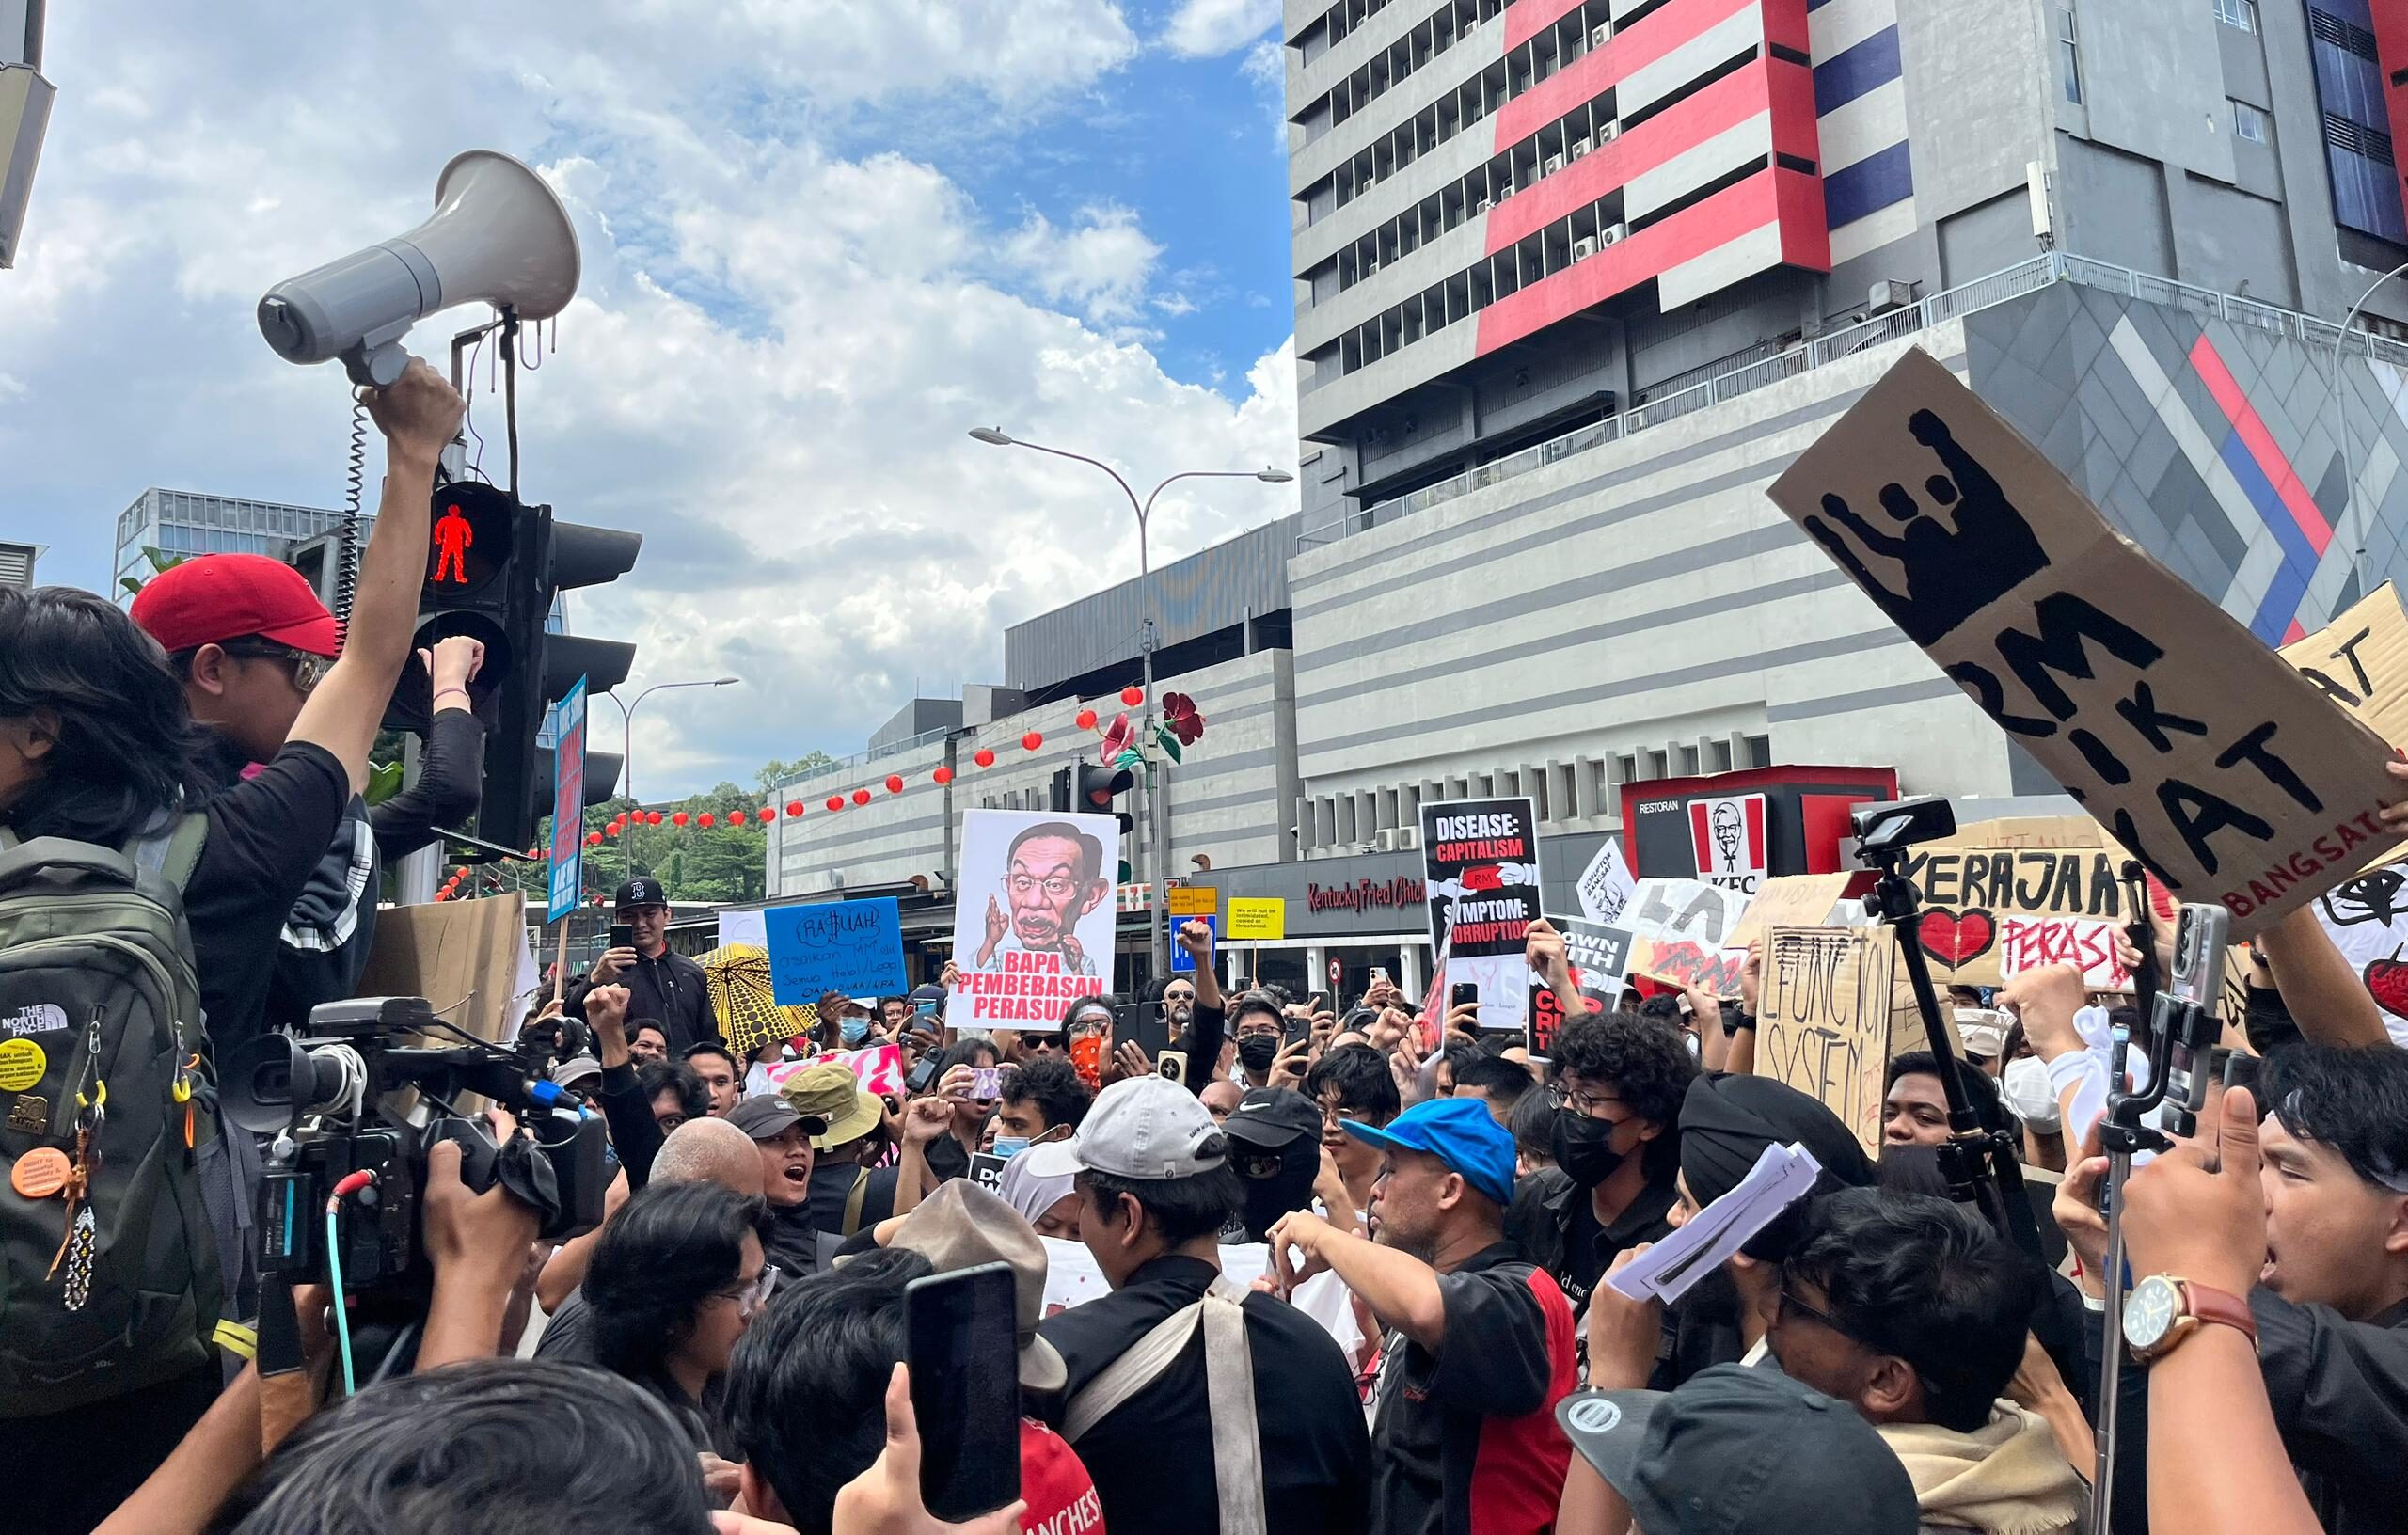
(1614, 1086)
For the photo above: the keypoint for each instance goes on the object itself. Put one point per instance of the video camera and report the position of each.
(340, 1134)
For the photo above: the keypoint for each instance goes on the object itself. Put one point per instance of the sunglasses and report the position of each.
(307, 670)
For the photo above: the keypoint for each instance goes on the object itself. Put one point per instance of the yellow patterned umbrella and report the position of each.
(745, 1001)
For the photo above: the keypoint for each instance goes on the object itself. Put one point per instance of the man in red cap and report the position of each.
(267, 670)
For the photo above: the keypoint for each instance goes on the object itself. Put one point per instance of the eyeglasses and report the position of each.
(1059, 888)
(1787, 1301)
(1587, 1105)
(750, 1298)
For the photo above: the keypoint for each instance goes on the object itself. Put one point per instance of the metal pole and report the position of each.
(1157, 824)
(2340, 401)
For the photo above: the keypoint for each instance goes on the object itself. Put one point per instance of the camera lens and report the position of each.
(271, 1081)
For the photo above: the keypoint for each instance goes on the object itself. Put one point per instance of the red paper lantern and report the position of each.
(766, 814)
(835, 802)
(894, 783)
(861, 797)
(652, 817)
(1086, 719)
(794, 807)
(735, 817)
(443, 894)
(703, 820)
(534, 852)
(593, 839)
(679, 818)
(983, 757)
(1132, 696)
(1032, 741)
(942, 775)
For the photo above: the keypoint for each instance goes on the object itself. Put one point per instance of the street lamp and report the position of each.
(627, 740)
(2349, 471)
(1157, 825)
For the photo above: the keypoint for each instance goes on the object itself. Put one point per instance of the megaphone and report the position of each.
(498, 234)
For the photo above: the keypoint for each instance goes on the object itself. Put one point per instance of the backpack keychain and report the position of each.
(77, 1245)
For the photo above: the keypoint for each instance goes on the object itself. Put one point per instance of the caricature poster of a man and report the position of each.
(1034, 915)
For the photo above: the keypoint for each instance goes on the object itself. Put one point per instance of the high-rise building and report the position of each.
(179, 522)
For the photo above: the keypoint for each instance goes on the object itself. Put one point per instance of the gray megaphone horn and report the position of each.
(498, 234)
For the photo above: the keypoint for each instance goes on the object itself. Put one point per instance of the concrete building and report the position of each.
(17, 562)
(1577, 279)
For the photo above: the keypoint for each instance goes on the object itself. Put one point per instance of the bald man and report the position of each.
(697, 1151)
(1220, 1098)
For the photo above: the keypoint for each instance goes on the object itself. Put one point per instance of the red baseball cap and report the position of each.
(218, 597)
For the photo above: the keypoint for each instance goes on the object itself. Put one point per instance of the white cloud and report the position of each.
(1101, 263)
(1208, 28)
(769, 369)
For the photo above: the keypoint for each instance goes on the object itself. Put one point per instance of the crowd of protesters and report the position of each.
(1432, 1341)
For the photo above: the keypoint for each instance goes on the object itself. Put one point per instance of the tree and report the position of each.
(775, 775)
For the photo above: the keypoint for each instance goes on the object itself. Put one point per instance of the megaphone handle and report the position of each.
(373, 364)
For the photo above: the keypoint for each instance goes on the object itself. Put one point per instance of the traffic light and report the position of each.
(495, 569)
(1099, 787)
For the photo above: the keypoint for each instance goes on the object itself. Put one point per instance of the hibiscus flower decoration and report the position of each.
(1117, 738)
(1178, 713)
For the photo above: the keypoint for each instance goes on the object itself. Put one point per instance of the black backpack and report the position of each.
(100, 1031)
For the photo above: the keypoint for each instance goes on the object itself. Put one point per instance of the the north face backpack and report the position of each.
(108, 1268)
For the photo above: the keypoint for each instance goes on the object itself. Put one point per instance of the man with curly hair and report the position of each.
(1614, 1090)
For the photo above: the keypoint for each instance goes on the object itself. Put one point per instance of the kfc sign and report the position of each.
(1727, 837)
(1365, 894)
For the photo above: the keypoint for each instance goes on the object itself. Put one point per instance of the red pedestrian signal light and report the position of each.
(469, 541)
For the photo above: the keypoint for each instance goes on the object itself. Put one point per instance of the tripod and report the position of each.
(1979, 1163)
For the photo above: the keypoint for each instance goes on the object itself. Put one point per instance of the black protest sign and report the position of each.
(1480, 864)
(986, 1170)
(2231, 775)
(1599, 955)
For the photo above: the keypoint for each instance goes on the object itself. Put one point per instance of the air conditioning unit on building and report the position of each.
(1615, 234)
(1479, 205)
(1554, 163)
(1611, 132)
(1408, 838)
(1370, 267)
(1471, 26)
(1888, 296)
(1504, 190)
(1383, 841)
(1580, 147)
(1601, 34)
(1584, 248)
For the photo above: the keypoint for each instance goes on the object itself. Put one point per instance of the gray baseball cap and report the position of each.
(1146, 1127)
(1742, 1451)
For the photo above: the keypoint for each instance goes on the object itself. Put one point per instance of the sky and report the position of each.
(821, 239)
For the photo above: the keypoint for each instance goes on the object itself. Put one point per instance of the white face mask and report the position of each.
(2025, 1085)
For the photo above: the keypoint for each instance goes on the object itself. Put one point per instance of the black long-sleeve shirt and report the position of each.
(450, 780)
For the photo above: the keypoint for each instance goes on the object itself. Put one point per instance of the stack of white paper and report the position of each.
(1781, 1176)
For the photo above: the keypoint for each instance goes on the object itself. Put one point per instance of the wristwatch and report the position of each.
(2162, 1310)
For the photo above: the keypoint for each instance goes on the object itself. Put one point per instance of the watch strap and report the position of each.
(2207, 1303)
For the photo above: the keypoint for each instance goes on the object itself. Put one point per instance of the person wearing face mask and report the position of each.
(1615, 1087)
(2032, 1098)
(1261, 1027)
(1043, 1100)
(1275, 1147)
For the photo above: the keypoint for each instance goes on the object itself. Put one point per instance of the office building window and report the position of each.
(1759, 751)
(2069, 54)
(2240, 13)
(2249, 123)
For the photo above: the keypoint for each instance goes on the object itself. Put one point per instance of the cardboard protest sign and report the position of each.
(2360, 661)
(2229, 774)
(1727, 838)
(1606, 883)
(877, 1067)
(1791, 900)
(1033, 921)
(1977, 895)
(855, 947)
(1825, 1019)
(2036, 942)
(1682, 930)
(463, 957)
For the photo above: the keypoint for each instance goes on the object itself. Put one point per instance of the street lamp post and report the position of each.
(2348, 468)
(627, 740)
(1157, 821)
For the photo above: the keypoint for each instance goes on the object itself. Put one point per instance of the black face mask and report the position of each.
(1583, 1147)
(1258, 1051)
(1281, 1193)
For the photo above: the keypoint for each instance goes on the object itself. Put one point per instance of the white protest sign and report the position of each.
(2233, 777)
(1033, 919)
(1605, 884)
(1685, 929)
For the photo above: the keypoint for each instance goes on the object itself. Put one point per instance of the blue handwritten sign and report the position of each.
(855, 947)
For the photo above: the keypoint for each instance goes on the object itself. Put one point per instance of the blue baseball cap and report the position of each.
(1459, 1131)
